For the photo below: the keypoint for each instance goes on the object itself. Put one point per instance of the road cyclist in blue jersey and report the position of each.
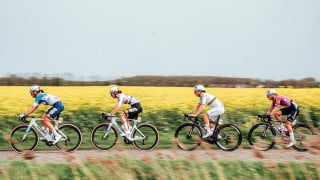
(56, 108)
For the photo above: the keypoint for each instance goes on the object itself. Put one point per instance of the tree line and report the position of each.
(181, 81)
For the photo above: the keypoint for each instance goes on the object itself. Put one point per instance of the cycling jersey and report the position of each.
(281, 101)
(126, 99)
(216, 105)
(46, 99)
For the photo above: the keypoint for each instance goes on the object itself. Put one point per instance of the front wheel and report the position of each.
(229, 137)
(303, 135)
(103, 139)
(71, 138)
(145, 137)
(188, 136)
(262, 136)
(20, 139)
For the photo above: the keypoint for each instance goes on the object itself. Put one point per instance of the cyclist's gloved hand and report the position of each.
(22, 116)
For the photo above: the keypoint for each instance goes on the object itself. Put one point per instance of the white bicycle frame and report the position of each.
(114, 123)
(34, 124)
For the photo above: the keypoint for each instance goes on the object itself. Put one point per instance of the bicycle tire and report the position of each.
(73, 140)
(18, 144)
(150, 139)
(302, 133)
(100, 142)
(188, 136)
(260, 138)
(231, 137)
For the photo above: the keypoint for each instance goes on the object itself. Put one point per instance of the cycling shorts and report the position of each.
(133, 111)
(215, 112)
(292, 111)
(55, 110)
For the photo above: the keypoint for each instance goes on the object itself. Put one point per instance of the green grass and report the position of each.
(111, 168)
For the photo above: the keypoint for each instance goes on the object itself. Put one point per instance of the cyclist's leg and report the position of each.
(53, 112)
(215, 113)
(292, 112)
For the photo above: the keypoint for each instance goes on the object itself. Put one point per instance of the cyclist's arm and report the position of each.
(273, 110)
(198, 110)
(115, 110)
(31, 110)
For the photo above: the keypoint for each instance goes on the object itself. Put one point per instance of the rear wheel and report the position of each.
(71, 138)
(262, 137)
(145, 137)
(303, 135)
(228, 137)
(20, 139)
(100, 140)
(188, 136)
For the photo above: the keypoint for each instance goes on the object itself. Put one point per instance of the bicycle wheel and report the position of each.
(228, 137)
(188, 136)
(71, 138)
(303, 135)
(145, 137)
(99, 141)
(20, 143)
(262, 136)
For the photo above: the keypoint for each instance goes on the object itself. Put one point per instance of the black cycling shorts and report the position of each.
(292, 111)
(134, 111)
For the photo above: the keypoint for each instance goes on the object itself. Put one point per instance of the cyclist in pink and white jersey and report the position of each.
(290, 109)
(216, 110)
(130, 113)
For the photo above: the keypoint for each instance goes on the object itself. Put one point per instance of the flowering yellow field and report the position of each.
(16, 99)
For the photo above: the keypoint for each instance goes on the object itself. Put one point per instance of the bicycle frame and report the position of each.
(196, 121)
(270, 124)
(33, 123)
(114, 123)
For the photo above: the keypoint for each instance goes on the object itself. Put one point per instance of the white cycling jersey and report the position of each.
(216, 105)
(126, 99)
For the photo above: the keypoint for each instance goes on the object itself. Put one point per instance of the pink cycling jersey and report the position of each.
(281, 101)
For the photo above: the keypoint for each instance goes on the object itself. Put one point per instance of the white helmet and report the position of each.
(199, 87)
(271, 91)
(35, 88)
(113, 89)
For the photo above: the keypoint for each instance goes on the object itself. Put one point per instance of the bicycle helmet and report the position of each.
(271, 91)
(199, 87)
(34, 88)
(113, 90)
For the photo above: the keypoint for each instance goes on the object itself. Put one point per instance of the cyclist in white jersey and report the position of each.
(47, 99)
(130, 113)
(216, 110)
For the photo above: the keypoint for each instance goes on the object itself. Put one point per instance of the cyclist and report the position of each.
(213, 114)
(130, 113)
(290, 108)
(54, 111)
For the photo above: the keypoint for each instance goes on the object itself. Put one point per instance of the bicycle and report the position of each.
(263, 135)
(143, 136)
(227, 137)
(27, 136)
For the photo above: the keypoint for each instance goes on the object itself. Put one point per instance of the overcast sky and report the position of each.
(265, 39)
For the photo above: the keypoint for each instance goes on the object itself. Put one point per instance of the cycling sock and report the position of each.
(291, 136)
(54, 132)
(125, 125)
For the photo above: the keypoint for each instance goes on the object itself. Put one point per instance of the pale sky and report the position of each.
(265, 39)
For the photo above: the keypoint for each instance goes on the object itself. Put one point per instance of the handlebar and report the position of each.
(186, 116)
(106, 116)
(264, 117)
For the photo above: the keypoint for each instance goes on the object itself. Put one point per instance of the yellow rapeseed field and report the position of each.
(16, 99)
